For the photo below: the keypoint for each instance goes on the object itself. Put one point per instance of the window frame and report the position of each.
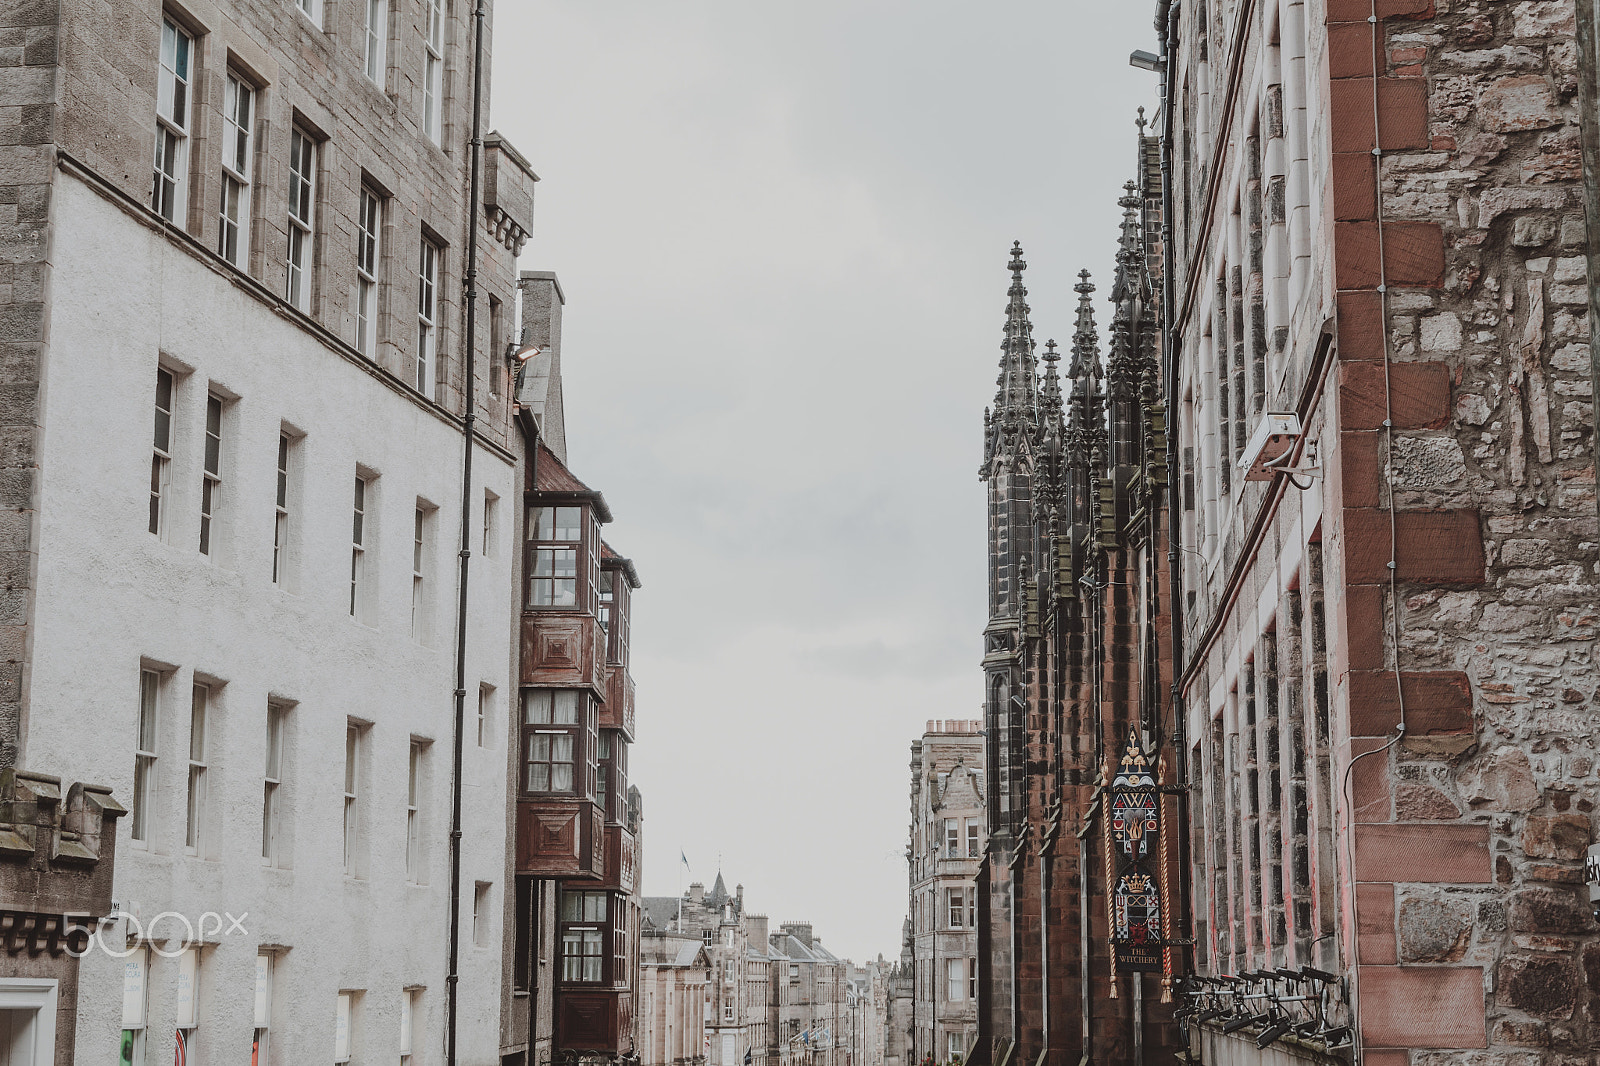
(974, 828)
(369, 266)
(170, 177)
(352, 797)
(358, 544)
(426, 355)
(374, 60)
(211, 472)
(197, 795)
(611, 761)
(238, 168)
(162, 451)
(147, 740)
(585, 924)
(300, 253)
(280, 508)
(955, 901)
(433, 33)
(579, 732)
(421, 566)
(414, 857)
(547, 550)
(272, 784)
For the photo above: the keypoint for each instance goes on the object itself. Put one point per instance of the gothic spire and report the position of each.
(1085, 369)
(1017, 402)
(1051, 390)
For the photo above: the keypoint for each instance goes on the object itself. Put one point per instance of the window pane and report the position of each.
(566, 707)
(538, 777)
(536, 707)
(571, 907)
(594, 909)
(569, 523)
(561, 777)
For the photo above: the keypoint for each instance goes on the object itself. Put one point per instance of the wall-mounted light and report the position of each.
(1146, 61)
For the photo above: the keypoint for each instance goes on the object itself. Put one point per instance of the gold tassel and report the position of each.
(1166, 989)
(1111, 883)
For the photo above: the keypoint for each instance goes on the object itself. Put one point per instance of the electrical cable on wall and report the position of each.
(1388, 479)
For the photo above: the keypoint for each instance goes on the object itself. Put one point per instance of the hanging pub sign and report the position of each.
(1135, 828)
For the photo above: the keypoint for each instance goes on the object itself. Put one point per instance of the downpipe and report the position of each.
(468, 438)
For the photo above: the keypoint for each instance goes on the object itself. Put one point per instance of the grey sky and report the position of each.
(782, 230)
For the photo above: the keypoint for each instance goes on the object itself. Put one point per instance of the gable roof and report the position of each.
(552, 475)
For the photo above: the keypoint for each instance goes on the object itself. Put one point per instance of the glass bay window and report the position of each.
(560, 742)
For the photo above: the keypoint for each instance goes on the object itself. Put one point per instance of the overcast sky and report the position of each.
(782, 230)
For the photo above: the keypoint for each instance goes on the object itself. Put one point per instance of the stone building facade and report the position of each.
(1387, 677)
(57, 857)
(575, 917)
(674, 972)
(947, 840)
(235, 235)
(1355, 702)
(778, 997)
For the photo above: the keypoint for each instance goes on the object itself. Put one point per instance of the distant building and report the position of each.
(899, 1028)
(673, 974)
(948, 838)
(781, 999)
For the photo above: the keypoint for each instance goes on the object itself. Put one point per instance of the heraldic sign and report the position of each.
(1135, 830)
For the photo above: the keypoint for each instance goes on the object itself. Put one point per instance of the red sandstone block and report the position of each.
(1387, 1058)
(1360, 323)
(1413, 254)
(1431, 547)
(1354, 190)
(1350, 104)
(1438, 703)
(1364, 639)
(1375, 912)
(1358, 10)
(1423, 852)
(1402, 110)
(1353, 50)
(1413, 396)
(1359, 474)
(1402, 113)
(1422, 1007)
(1370, 788)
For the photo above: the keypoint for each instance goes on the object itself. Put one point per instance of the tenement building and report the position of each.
(778, 998)
(245, 229)
(573, 925)
(947, 839)
(1295, 762)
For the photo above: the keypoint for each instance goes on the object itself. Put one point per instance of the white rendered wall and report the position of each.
(111, 595)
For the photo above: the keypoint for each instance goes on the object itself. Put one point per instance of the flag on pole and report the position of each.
(684, 857)
(746, 1057)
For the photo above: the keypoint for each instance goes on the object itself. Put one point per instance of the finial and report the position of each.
(1017, 265)
(1140, 122)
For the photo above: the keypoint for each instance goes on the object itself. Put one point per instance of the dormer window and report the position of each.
(557, 543)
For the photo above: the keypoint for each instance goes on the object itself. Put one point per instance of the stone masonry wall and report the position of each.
(29, 93)
(1512, 443)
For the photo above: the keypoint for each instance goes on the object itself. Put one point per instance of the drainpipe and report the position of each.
(468, 434)
(1167, 26)
(1588, 91)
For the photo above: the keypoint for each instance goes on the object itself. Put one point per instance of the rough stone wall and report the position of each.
(29, 113)
(1455, 426)
(1500, 177)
